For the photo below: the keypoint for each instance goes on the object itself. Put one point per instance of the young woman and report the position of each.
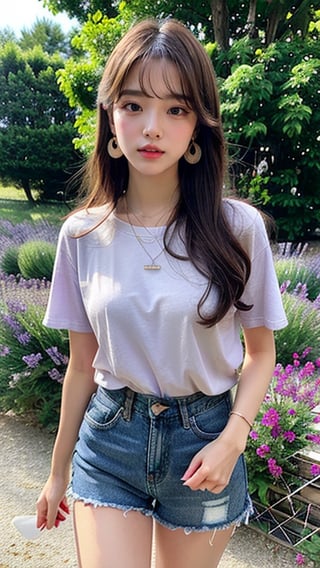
(155, 277)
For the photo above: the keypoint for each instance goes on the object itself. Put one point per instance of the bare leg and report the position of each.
(175, 549)
(109, 538)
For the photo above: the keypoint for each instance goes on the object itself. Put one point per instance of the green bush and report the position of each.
(302, 331)
(36, 259)
(298, 273)
(9, 261)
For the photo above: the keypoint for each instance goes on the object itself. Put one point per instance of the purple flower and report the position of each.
(254, 435)
(292, 412)
(306, 352)
(284, 286)
(57, 357)
(289, 436)
(300, 560)
(316, 419)
(262, 450)
(275, 469)
(4, 350)
(55, 375)
(32, 361)
(24, 338)
(270, 418)
(315, 469)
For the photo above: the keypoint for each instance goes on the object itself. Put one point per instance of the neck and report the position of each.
(148, 196)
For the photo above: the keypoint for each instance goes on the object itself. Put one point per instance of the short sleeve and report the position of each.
(262, 289)
(65, 309)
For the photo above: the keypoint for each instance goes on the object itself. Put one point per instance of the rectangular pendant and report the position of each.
(152, 267)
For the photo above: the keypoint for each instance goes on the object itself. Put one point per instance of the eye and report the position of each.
(132, 107)
(177, 111)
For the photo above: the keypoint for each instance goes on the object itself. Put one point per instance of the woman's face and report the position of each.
(153, 128)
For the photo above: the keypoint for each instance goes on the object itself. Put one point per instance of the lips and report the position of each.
(150, 151)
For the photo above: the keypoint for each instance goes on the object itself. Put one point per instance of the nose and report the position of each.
(152, 128)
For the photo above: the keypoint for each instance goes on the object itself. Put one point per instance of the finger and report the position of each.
(192, 468)
(41, 516)
(198, 479)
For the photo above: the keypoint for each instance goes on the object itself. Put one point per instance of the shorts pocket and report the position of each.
(209, 424)
(102, 415)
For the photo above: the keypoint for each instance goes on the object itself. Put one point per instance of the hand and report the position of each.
(211, 468)
(52, 506)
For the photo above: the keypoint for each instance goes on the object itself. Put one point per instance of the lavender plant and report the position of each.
(34, 357)
(303, 324)
(300, 271)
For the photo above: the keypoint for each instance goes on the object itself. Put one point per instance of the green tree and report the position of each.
(266, 57)
(46, 34)
(221, 19)
(36, 122)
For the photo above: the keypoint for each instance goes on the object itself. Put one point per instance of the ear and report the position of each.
(109, 111)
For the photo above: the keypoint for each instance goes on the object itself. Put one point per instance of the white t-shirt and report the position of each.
(146, 321)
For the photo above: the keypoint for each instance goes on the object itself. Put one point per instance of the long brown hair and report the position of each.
(210, 243)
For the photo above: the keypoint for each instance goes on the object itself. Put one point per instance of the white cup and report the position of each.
(26, 525)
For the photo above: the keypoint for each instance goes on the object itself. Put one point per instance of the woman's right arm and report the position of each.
(78, 386)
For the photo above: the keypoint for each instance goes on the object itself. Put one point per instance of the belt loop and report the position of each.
(184, 413)
(128, 404)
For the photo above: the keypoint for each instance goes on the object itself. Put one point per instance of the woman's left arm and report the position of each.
(211, 468)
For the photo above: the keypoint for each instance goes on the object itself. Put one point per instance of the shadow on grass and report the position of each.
(17, 211)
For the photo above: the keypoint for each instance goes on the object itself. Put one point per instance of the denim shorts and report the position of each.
(133, 449)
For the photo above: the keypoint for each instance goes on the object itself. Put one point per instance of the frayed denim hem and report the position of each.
(125, 508)
(243, 518)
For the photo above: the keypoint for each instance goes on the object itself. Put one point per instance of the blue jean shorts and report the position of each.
(133, 449)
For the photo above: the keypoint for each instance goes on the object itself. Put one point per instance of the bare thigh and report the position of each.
(109, 538)
(175, 549)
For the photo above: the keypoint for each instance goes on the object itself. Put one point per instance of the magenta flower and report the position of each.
(315, 470)
(275, 469)
(289, 436)
(254, 435)
(315, 438)
(263, 450)
(300, 560)
(292, 412)
(270, 418)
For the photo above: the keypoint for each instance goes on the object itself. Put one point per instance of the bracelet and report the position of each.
(243, 417)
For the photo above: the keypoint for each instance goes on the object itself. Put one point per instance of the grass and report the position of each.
(15, 207)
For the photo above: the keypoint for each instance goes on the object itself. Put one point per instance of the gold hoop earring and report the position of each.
(114, 149)
(193, 154)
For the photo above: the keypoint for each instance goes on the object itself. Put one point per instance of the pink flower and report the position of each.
(316, 420)
(275, 469)
(270, 418)
(289, 436)
(262, 450)
(315, 438)
(300, 560)
(315, 470)
(254, 435)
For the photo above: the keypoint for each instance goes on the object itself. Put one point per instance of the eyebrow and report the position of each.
(138, 93)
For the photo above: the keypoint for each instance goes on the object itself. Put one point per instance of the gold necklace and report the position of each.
(153, 265)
